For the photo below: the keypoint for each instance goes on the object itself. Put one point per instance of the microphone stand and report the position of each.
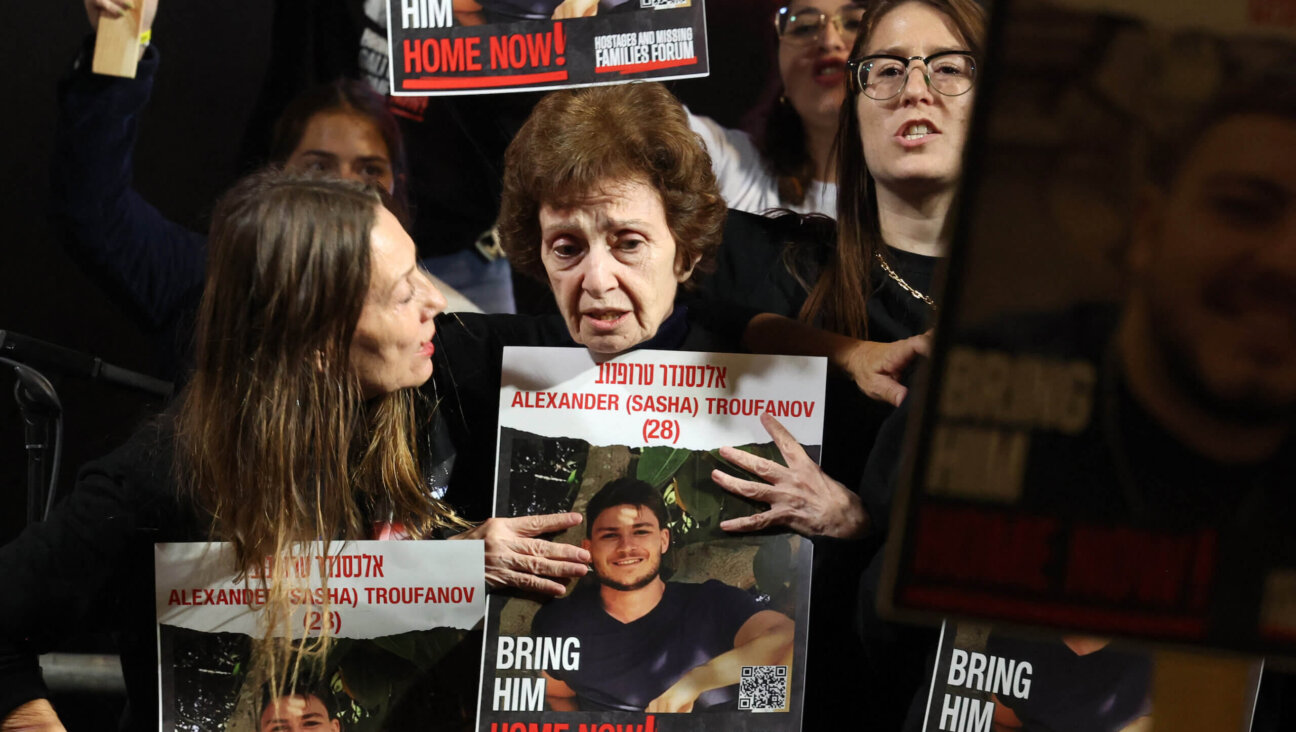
(38, 353)
(40, 408)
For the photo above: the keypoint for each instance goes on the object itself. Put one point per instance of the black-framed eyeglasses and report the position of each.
(806, 26)
(883, 75)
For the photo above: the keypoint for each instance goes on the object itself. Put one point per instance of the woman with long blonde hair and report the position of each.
(303, 421)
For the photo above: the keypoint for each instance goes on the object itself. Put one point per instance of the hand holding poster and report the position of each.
(676, 616)
(397, 611)
(476, 46)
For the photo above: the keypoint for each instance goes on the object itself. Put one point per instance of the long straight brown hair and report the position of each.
(783, 149)
(837, 302)
(274, 436)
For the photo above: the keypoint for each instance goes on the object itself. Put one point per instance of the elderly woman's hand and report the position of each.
(514, 558)
(801, 496)
(34, 716)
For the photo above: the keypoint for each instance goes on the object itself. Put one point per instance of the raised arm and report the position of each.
(121, 240)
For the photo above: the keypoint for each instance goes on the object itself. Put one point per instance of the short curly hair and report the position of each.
(578, 139)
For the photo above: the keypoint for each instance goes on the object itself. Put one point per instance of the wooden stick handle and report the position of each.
(117, 43)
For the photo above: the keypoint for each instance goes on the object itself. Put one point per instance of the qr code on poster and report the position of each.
(763, 688)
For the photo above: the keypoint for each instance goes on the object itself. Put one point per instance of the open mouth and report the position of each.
(916, 132)
(604, 320)
(627, 562)
(829, 71)
(427, 349)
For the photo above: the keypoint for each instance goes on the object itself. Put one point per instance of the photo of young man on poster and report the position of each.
(1159, 426)
(648, 644)
(298, 711)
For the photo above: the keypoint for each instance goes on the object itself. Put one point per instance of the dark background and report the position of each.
(214, 59)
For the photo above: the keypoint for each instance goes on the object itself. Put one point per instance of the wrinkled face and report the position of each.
(1214, 259)
(612, 265)
(297, 713)
(914, 141)
(626, 545)
(392, 345)
(814, 70)
(346, 145)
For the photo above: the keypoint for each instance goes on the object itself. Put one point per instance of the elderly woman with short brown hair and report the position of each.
(610, 197)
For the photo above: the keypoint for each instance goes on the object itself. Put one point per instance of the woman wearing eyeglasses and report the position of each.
(900, 150)
(899, 143)
(790, 165)
(903, 132)
(900, 140)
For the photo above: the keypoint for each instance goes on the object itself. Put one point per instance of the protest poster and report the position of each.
(439, 47)
(398, 612)
(1106, 443)
(986, 679)
(676, 615)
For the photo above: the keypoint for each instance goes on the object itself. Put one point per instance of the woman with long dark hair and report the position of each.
(789, 164)
(900, 147)
(153, 265)
(900, 160)
(900, 152)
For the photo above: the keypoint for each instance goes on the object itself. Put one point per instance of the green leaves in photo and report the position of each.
(704, 503)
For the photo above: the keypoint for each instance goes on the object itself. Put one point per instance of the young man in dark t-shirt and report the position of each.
(647, 644)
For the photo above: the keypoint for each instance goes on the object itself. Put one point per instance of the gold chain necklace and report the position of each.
(900, 281)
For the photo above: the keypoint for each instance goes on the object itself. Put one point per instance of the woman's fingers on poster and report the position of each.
(791, 450)
(793, 454)
(515, 559)
(545, 523)
(800, 495)
(550, 559)
(528, 583)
